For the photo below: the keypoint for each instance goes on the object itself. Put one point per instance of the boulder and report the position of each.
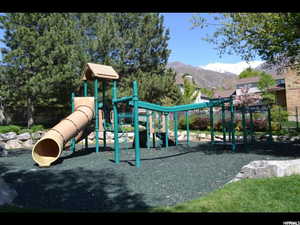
(9, 136)
(268, 168)
(7, 194)
(13, 144)
(92, 135)
(28, 144)
(24, 136)
(36, 135)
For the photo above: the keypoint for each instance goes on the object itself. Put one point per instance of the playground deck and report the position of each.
(90, 181)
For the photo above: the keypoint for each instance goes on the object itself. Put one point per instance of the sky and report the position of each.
(187, 46)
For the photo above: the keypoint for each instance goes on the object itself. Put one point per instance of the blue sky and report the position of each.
(186, 44)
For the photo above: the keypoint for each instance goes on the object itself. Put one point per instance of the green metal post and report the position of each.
(148, 130)
(211, 117)
(85, 93)
(116, 125)
(270, 138)
(136, 124)
(73, 142)
(187, 127)
(176, 127)
(96, 114)
(251, 127)
(223, 123)
(232, 125)
(297, 121)
(153, 124)
(244, 126)
(104, 111)
(167, 129)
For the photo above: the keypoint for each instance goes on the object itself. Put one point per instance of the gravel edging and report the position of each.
(89, 181)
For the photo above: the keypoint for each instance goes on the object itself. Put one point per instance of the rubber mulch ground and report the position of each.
(90, 181)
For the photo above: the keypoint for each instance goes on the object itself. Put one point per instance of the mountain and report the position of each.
(203, 77)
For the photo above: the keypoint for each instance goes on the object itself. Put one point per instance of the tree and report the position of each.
(272, 36)
(249, 73)
(190, 92)
(41, 61)
(265, 82)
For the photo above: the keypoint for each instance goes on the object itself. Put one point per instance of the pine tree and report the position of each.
(42, 60)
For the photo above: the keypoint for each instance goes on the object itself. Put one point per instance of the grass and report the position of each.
(278, 194)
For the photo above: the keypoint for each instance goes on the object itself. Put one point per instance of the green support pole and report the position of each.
(176, 127)
(73, 142)
(136, 124)
(297, 121)
(251, 127)
(116, 125)
(187, 128)
(270, 138)
(211, 117)
(148, 130)
(153, 124)
(232, 125)
(104, 111)
(223, 123)
(167, 129)
(244, 126)
(85, 94)
(96, 114)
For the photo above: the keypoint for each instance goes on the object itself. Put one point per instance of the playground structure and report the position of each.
(86, 110)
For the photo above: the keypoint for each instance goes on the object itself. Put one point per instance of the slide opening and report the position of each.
(46, 151)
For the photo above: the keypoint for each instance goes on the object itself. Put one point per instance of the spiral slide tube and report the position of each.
(49, 147)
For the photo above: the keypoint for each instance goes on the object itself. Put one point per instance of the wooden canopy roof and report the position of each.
(97, 71)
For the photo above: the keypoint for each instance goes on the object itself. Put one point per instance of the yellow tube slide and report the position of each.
(49, 147)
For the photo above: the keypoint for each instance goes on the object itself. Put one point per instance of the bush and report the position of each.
(196, 122)
(10, 128)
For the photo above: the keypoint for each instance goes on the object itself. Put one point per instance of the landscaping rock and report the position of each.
(9, 136)
(24, 136)
(13, 144)
(92, 135)
(7, 194)
(268, 168)
(36, 135)
(28, 144)
(202, 135)
(2, 137)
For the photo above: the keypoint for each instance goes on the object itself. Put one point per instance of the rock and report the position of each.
(268, 168)
(7, 194)
(9, 136)
(24, 136)
(92, 135)
(28, 144)
(2, 137)
(36, 135)
(13, 144)
(202, 135)
(295, 138)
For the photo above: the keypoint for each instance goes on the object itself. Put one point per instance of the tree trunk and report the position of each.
(30, 111)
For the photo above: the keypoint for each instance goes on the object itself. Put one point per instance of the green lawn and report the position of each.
(280, 194)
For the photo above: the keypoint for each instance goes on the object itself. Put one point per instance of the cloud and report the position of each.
(235, 68)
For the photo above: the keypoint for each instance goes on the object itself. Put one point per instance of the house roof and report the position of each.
(256, 79)
(224, 94)
(92, 71)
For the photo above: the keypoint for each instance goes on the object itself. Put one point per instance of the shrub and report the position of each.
(196, 122)
(10, 128)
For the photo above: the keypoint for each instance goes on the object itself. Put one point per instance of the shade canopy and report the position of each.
(93, 71)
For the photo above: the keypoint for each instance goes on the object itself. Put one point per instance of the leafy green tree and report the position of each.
(208, 92)
(272, 36)
(190, 92)
(265, 82)
(249, 72)
(41, 60)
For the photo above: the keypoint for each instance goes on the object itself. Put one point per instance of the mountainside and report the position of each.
(205, 78)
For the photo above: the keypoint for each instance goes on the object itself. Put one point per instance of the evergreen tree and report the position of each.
(42, 60)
